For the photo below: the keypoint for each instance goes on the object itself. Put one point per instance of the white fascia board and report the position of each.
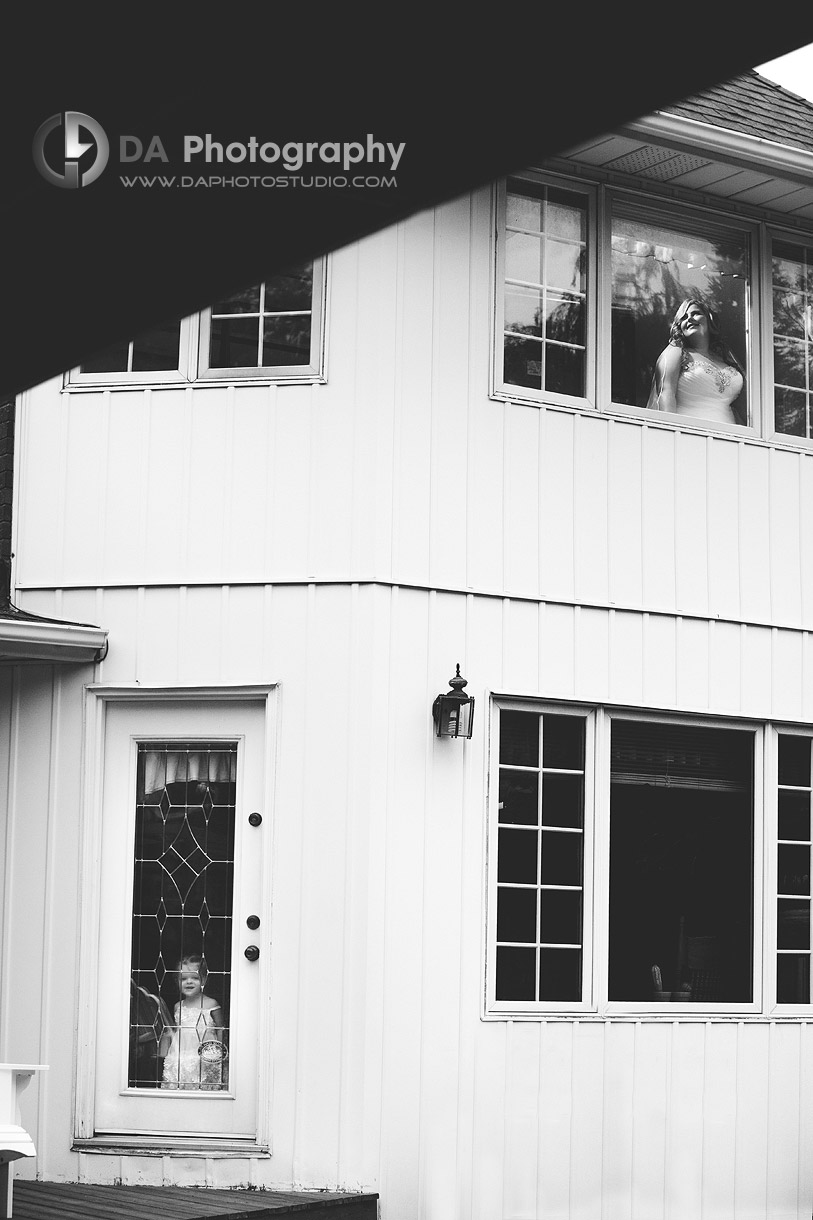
(29, 640)
(720, 143)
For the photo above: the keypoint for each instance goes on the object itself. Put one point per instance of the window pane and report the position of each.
(794, 815)
(561, 858)
(523, 362)
(793, 924)
(562, 800)
(235, 343)
(519, 798)
(524, 310)
(793, 338)
(793, 869)
(523, 257)
(560, 974)
(247, 300)
(517, 856)
(545, 291)
(681, 862)
(290, 290)
(112, 359)
(793, 978)
(560, 917)
(792, 412)
(182, 916)
(564, 371)
(519, 738)
(794, 760)
(563, 744)
(654, 268)
(157, 350)
(516, 915)
(516, 974)
(286, 341)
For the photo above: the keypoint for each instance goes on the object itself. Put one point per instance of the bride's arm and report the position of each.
(668, 370)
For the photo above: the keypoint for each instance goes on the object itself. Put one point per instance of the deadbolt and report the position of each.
(253, 922)
(254, 819)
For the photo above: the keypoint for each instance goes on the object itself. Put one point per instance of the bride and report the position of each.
(696, 374)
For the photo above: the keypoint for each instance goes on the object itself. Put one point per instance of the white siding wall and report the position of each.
(628, 563)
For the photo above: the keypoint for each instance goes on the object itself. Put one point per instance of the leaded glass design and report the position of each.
(182, 915)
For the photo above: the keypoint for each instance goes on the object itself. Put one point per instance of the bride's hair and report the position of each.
(716, 342)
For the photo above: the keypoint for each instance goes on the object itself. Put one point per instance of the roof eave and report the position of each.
(733, 147)
(48, 643)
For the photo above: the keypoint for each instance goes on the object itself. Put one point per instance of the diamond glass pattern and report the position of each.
(183, 882)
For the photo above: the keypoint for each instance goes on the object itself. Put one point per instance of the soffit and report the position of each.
(736, 176)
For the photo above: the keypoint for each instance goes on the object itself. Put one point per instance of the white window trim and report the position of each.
(760, 232)
(503, 1009)
(313, 370)
(499, 387)
(194, 341)
(98, 698)
(595, 934)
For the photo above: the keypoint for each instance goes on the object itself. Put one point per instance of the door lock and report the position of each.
(252, 952)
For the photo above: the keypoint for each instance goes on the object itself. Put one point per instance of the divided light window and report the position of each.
(272, 330)
(665, 830)
(545, 300)
(589, 279)
(540, 910)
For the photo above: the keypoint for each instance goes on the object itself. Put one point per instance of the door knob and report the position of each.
(252, 952)
(255, 819)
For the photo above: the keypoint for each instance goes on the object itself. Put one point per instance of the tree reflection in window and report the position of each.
(792, 267)
(654, 268)
(545, 290)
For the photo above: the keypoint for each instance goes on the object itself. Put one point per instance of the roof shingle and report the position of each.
(755, 106)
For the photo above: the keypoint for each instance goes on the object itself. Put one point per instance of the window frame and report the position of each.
(776, 233)
(499, 387)
(596, 875)
(313, 370)
(194, 341)
(760, 230)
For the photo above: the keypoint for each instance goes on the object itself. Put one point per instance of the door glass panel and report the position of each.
(183, 884)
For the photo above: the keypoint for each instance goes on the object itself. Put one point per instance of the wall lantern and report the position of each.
(453, 712)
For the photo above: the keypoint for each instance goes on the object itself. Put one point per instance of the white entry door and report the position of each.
(181, 924)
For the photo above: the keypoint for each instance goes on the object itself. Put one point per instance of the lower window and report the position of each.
(635, 885)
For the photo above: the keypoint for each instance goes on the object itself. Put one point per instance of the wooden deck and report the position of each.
(74, 1201)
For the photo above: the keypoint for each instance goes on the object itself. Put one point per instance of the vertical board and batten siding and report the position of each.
(402, 468)
(586, 557)
(384, 1075)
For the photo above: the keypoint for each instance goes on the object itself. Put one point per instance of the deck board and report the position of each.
(77, 1201)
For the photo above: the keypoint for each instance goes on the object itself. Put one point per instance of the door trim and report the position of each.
(98, 697)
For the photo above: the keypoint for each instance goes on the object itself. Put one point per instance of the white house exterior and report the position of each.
(454, 1002)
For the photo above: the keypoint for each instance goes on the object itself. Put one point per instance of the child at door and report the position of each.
(195, 1059)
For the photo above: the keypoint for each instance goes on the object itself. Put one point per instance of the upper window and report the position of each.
(591, 309)
(546, 291)
(666, 841)
(793, 338)
(272, 330)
